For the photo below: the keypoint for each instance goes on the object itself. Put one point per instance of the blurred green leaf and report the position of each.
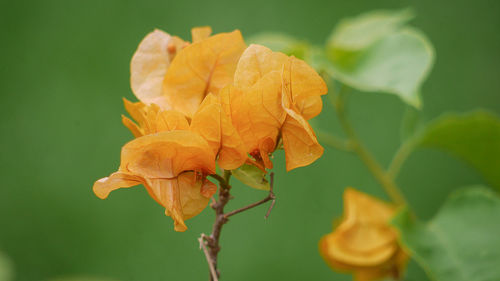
(252, 176)
(360, 32)
(397, 64)
(473, 137)
(375, 53)
(461, 243)
(280, 42)
(6, 268)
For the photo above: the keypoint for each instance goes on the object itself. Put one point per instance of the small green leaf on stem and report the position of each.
(252, 176)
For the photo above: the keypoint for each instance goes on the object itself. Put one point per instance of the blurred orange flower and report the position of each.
(272, 98)
(364, 243)
(172, 166)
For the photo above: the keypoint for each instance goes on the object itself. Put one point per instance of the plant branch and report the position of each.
(400, 157)
(382, 176)
(210, 244)
(334, 141)
(211, 264)
(269, 197)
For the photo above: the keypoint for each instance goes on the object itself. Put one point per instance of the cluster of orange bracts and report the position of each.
(211, 100)
(364, 242)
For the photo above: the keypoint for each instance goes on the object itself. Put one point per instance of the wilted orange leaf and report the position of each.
(364, 243)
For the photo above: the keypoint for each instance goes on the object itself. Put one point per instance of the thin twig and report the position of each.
(210, 244)
(381, 175)
(210, 262)
(400, 157)
(269, 197)
(333, 141)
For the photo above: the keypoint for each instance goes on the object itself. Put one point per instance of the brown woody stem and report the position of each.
(210, 244)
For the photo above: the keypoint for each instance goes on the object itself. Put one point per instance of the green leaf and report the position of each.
(461, 243)
(360, 32)
(473, 137)
(6, 268)
(252, 176)
(375, 53)
(280, 42)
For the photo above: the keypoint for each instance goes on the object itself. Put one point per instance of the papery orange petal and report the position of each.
(361, 207)
(167, 192)
(149, 66)
(183, 197)
(195, 194)
(256, 62)
(306, 87)
(364, 242)
(132, 126)
(335, 251)
(299, 81)
(212, 122)
(207, 122)
(166, 154)
(200, 33)
(299, 142)
(116, 180)
(170, 120)
(201, 68)
(152, 119)
(257, 113)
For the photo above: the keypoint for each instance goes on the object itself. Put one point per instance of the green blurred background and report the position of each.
(65, 68)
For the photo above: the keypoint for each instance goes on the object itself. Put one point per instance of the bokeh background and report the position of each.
(64, 70)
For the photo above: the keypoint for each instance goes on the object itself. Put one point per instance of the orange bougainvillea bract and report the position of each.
(364, 243)
(206, 102)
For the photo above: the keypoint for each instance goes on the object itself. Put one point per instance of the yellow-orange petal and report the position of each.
(116, 180)
(306, 87)
(200, 33)
(132, 126)
(169, 120)
(299, 142)
(212, 123)
(167, 154)
(360, 207)
(337, 247)
(201, 68)
(256, 62)
(207, 122)
(257, 113)
(167, 192)
(149, 66)
(183, 197)
(364, 242)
